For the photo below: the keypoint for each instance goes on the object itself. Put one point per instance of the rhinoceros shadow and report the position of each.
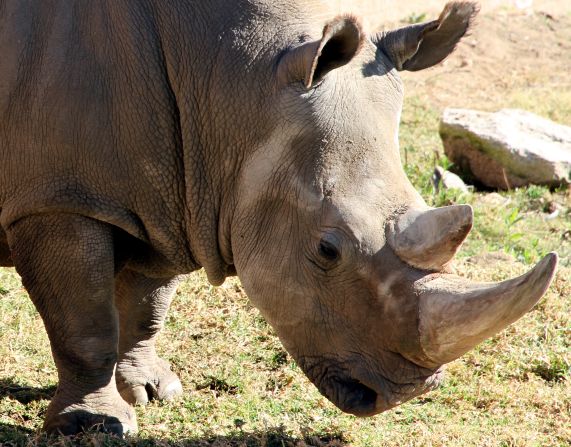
(14, 435)
(24, 394)
(273, 437)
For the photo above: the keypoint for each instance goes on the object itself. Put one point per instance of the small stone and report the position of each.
(553, 209)
(448, 180)
(508, 149)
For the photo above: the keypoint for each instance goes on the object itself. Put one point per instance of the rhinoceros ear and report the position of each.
(423, 45)
(311, 61)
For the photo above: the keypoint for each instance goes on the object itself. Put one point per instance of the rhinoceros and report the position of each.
(141, 141)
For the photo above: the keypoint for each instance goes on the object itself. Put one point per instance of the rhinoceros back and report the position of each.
(86, 117)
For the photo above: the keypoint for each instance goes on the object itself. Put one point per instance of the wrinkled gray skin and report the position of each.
(143, 140)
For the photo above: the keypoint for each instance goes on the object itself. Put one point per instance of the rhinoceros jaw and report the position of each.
(455, 315)
(365, 392)
(360, 400)
(429, 239)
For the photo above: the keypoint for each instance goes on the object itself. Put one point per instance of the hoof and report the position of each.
(74, 421)
(138, 386)
(172, 390)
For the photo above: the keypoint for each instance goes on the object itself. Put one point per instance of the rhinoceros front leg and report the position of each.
(67, 265)
(142, 303)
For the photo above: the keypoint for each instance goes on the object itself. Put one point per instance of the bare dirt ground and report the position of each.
(380, 11)
(513, 56)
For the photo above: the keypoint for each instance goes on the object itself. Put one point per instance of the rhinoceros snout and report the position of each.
(356, 388)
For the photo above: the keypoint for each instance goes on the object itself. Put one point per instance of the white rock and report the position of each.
(448, 180)
(509, 148)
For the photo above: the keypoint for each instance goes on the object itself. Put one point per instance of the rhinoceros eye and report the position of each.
(328, 251)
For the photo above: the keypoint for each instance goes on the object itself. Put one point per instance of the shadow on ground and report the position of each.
(16, 436)
(271, 438)
(24, 394)
(13, 436)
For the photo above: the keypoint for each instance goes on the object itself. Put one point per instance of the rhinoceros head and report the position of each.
(335, 246)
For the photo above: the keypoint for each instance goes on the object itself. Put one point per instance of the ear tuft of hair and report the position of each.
(454, 23)
(342, 39)
(348, 25)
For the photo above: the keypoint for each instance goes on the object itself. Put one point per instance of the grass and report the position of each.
(517, 222)
(242, 388)
(416, 17)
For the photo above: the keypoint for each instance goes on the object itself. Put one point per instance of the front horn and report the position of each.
(456, 315)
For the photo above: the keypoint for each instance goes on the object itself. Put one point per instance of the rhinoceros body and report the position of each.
(143, 140)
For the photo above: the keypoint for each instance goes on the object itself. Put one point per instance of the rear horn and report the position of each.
(429, 239)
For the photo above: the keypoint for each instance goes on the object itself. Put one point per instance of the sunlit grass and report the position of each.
(242, 389)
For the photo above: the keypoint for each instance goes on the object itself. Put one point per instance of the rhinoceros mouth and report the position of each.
(352, 396)
(363, 394)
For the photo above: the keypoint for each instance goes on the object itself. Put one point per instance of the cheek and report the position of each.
(277, 288)
(293, 312)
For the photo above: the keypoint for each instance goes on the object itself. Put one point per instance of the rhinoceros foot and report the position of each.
(95, 413)
(140, 382)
